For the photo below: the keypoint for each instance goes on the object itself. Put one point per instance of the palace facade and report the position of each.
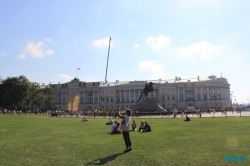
(175, 93)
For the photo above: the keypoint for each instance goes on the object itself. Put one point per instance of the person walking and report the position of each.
(125, 129)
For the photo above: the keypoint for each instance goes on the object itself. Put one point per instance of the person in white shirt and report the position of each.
(125, 129)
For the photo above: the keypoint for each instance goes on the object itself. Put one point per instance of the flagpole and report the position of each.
(107, 62)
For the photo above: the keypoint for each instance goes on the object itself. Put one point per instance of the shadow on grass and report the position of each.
(104, 160)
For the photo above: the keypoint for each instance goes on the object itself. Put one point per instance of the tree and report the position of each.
(14, 92)
(35, 96)
(48, 102)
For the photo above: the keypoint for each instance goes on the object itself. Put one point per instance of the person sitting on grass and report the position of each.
(187, 118)
(110, 122)
(84, 119)
(141, 126)
(147, 128)
(133, 126)
(113, 126)
(117, 129)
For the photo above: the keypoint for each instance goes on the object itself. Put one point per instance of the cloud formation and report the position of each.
(136, 45)
(36, 50)
(102, 43)
(48, 40)
(21, 56)
(158, 42)
(201, 50)
(3, 54)
(64, 76)
(152, 66)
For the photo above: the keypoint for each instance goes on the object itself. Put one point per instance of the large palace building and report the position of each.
(175, 93)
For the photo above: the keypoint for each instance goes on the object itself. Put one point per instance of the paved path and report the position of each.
(203, 115)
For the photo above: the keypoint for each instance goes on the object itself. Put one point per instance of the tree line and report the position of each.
(18, 93)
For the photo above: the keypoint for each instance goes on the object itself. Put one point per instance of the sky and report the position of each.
(48, 40)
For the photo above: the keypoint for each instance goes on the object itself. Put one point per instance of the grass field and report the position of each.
(41, 140)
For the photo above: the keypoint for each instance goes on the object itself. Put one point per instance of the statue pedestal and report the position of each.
(150, 104)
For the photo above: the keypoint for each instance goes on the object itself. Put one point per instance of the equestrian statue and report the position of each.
(148, 88)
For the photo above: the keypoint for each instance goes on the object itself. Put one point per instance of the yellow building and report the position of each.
(175, 93)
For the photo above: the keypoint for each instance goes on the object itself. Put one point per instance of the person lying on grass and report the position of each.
(84, 119)
(110, 122)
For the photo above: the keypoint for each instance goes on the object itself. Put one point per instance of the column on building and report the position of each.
(134, 96)
(79, 97)
(178, 94)
(129, 96)
(184, 93)
(98, 97)
(125, 96)
(195, 94)
(120, 96)
(207, 93)
(213, 91)
(201, 94)
(84, 97)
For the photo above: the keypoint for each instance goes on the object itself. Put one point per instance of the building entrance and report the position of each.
(73, 103)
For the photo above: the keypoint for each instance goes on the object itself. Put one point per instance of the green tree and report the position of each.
(48, 102)
(14, 92)
(35, 96)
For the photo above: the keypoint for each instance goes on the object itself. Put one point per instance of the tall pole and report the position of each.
(107, 62)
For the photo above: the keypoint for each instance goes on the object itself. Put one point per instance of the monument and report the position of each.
(148, 104)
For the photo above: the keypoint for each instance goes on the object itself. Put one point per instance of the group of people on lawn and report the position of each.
(116, 127)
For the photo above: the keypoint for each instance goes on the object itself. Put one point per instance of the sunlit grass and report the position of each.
(42, 140)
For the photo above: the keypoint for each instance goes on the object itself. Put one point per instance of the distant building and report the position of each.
(175, 93)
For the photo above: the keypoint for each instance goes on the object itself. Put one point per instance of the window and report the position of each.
(111, 99)
(205, 96)
(107, 100)
(173, 97)
(90, 97)
(168, 97)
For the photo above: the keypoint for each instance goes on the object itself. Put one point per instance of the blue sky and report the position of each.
(47, 40)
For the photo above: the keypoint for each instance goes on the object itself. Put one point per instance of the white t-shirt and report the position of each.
(125, 125)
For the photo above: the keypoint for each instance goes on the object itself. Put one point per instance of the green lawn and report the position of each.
(41, 140)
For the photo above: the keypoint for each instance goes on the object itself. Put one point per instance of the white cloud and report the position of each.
(152, 66)
(201, 50)
(136, 45)
(36, 50)
(49, 52)
(21, 56)
(3, 54)
(64, 76)
(102, 43)
(158, 42)
(48, 40)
